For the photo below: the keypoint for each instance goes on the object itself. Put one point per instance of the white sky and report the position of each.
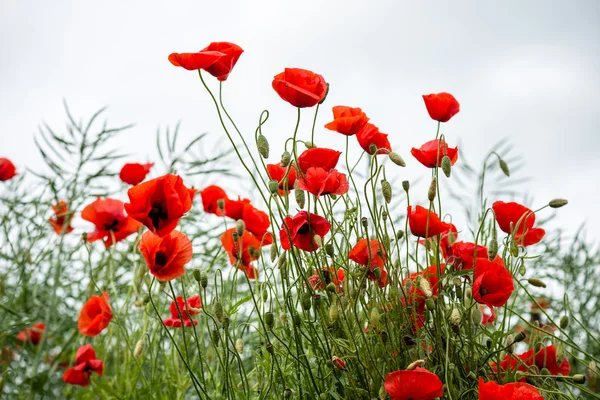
(529, 71)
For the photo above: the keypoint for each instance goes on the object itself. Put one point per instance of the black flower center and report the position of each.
(326, 276)
(304, 229)
(160, 259)
(112, 226)
(157, 213)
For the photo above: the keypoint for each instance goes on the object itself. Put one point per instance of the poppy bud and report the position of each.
(409, 285)
(273, 186)
(430, 303)
(396, 159)
(84, 236)
(265, 295)
(285, 159)
(522, 270)
(273, 252)
(283, 318)
(215, 336)
(317, 240)
(326, 93)
(239, 345)
(545, 372)
(338, 363)
(386, 189)
(382, 393)
(364, 222)
(334, 313)
(235, 237)
(281, 261)
(305, 301)
(447, 166)
(263, 146)
(476, 316)
(377, 272)
(317, 300)
(269, 319)
(384, 215)
(197, 274)
(217, 310)
(374, 318)
(432, 189)
(329, 249)
(455, 317)
(270, 348)
(557, 203)
(520, 337)
(564, 322)
(299, 197)
(514, 250)
(399, 235)
(468, 295)
(510, 340)
(536, 282)
(504, 167)
(309, 145)
(331, 287)
(372, 149)
(579, 378)
(139, 348)
(240, 227)
(204, 280)
(425, 286)
(225, 322)
(298, 319)
(492, 249)
(415, 364)
(221, 204)
(405, 185)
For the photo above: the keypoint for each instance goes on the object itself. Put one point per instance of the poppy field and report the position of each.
(332, 279)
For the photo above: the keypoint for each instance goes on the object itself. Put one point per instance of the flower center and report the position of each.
(304, 229)
(112, 227)
(157, 213)
(160, 258)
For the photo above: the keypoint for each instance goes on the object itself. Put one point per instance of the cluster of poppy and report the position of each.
(545, 357)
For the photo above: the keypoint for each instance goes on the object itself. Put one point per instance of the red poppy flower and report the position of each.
(194, 61)
(61, 212)
(85, 364)
(210, 197)
(183, 310)
(112, 224)
(166, 256)
(338, 363)
(218, 59)
(546, 358)
(347, 120)
(234, 209)
(368, 135)
(256, 221)
(32, 335)
(277, 173)
(492, 284)
(250, 250)
(7, 169)
(320, 182)
(160, 203)
(301, 229)
(134, 173)
(368, 253)
(435, 150)
(511, 391)
(300, 87)
(318, 157)
(95, 315)
(447, 239)
(416, 297)
(416, 384)
(320, 279)
(462, 255)
(442, 106)
(521, 218)
(425, 223)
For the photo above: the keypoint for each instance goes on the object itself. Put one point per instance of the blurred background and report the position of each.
(525, 71)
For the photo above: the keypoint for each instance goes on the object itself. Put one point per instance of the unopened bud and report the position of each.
(432, 189)
(329, 249)
(415, 364)
(384, 215)
(446, 166)
(273, 252)
(504, 167)
(476, 316)
(309, 145)
(197, 275)
(331, 287)
(399, 235)
(269, 319)
(265, 295)
(139, 348)
(240, 227)
(283, 318)
(510, 340)
(372, 149)
(317, 300)
(239, 345)
(204, 280)
(364, 222)
(273, 186)
(492, 249)
(225, 322)
(317, 240)
(558, 203)
(281, 261)
(221, 204)
(377, 272)
(564, 322)
(579, 378)
(455, 317)
(386, 189)
(396, 159)
(298, 319)
(374, 318)
(520, 337)
(217, 310)
(215, 336)
(263, 146)
(286, 157)
(545, 371)
(514, 250)
(430, 303)
(300, 198)
(536, 282)
(305, 301)
(334, 313)
(338, 363)
(405, 185)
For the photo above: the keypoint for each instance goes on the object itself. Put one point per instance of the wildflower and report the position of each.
(521, 218)
(95, 315)
(441, 106)
(368, 253)
(32, 335)
(256, 221)
(347, 120)
(423, 285)
(160, 203)
(463, 255)
(243, 251)
(210, 197)
(218, 59)
(318, 157)
(135, 173)
(166, 256)
(61, 213)
(321, 182)
(7, 169)
(431, 153)
(369, 135)
(338, 363)
(301, 229)
(510, 391)
(183, 311)
(319, 280)
(277, 173)
(425, 223)
(85, 364)
(492, 284)
(416, 384)
(300, 87)
(112, 224)
(234, 209)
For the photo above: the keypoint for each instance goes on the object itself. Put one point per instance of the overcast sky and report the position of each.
(526, 70)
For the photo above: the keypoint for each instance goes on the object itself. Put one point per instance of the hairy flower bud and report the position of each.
(273, 186)
(536, 282)
(239, 345)
(504, 167)
(432, 189)
(405, 185)
(476, 316)
(305, 301)
(309, 145)
(492, 249)
(329, 249)
(415, 364)
(269, 319)
(217, 310)
(510, 340)
(286, 157)
(374, 318)
(240, 227)
(447, 166)
(579, 378)
(298, 319)
(283, 318)
(334, 313)
(425, 286)
(455, 317)
(263, 146)
(399, 235)
(564, 322)
(558, 203)
(139, 348)
(396, 159)
(300, 198)
(281, 261)
(386, 189)
(204, 281)
(273, 252)
(520, 337)
(215, 336)
(317, 240)
(197, 275)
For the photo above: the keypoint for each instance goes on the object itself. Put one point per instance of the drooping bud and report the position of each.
(447, 166)
(514, 250)
(374, 318)
(558, 203)
(283, 318)
(372, 149)
(215, 336)
(492, 247)
(396, 159)
(269, 319)
(300, 198)
(399, 235)
(334, 313)
(405, 185)
(217, 310)
(273, 186)
(286, 157)
(197, 275)
(510, 340)
(139, 348)
(432, 189)
(309, 145)
(564, 322)
(263, 146)
(386, 189)
(273, 252)
(579, 378)
(265, 295)
(430, 303)
(240, 227)
(520, 337)
(204, 281)
(504, 167)
(536, 282)
(225, 322)
(305, 301)
(415, 364)
(384, 215)
(239, 345)
(317, 240)
(476, 316)
(364, 222)
(329, 249)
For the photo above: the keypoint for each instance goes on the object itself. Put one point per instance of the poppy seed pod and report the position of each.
(273, 186)
(285, 159)
(239, 345)
(536, 282)
(240, 227)
(432, 189)
(364, 222)
(386, 189)
(447, 166)
(300, 199)
(263, 146)
(504, 167)
(221, 204)
(558, 203)
(372, 148)
(396, 159)
(579, 378)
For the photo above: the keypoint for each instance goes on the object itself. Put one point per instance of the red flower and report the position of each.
(183, 310)
(85, 364)
(166, 256)
(546, 358)
(369, 135)
(256, 221)
(435, 150)
(300, 87)
(320, 182)
(492, 283)
(416, 384)
(338, 363)
(301, 229)
(447, 239)
(7, 169)
(61, 213)
(32, 335)
(425, 223)
(462, 255)
(218, 59)
(160, 203)
(442, 106)
(347, 120)
(234, 209)
(95, 315)
(320, 279)
(210, 197)
(112, 224)
(511, 391)
(246, 250)
(521, 218)
(368, 253)
(318, 157)
(134, 173)
(277, 173)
